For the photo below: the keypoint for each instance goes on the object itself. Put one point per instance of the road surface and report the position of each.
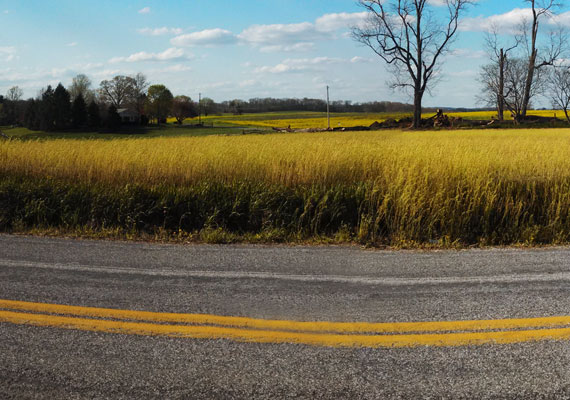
(93, 319)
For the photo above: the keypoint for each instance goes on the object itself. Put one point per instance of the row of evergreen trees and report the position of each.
(54, 111)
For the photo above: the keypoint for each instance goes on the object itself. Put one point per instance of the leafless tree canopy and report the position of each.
(140, 87)
(14, 93)
(541, 9)
(514, 85)
(492, 75)
(559, 88)
(125, 91)
(411, 37)
(533, 47)
(81, 85)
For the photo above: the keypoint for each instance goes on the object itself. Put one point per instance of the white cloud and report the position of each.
(108, 73)
(88, 66)
(333, 22)
(468, 53)
(177, 68)
(358, 59)
(437, 3)
(171, 54)
(279, 34)
(276, 37)
(510, 22)
(292, 65)
(32, 74)
(160, 31)
(72, 44)
(207, 37)
(297, 47)
(8, 53)
(441, 3)
(145, 10)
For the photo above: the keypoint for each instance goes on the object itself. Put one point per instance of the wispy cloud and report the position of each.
(280, 48)
(511, 21)
(276, 37)
(295, 65)
(171, 54)
(207, 37)
(160, 31)
(8, 53)
(145, 10)
(358, 60)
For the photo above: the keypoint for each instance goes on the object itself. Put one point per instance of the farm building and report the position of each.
(128, 116)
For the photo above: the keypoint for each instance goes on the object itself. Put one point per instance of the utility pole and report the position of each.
(328, 111)
(199, 108)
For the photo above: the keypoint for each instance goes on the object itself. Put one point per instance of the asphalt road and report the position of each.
(283, 283)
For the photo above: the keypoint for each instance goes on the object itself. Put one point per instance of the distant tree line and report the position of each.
(123, 99)
(132, 100)
(79, 107)
(263, 105)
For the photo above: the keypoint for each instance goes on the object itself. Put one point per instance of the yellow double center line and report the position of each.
(330, 334)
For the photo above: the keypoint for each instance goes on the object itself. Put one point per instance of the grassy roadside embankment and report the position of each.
(395, 188)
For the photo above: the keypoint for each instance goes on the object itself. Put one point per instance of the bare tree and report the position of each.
(183, 107)
(411, 39)
(493, 75)
(81, 85)
(515, 86)
(140, 86)
(12, 110)
(491, 93)
(118, 91)
(559, 88)
(540, 9)
(14, 94)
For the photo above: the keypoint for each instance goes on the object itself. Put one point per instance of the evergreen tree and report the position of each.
(93, 115)
(32, 115)
(79, 112)
(47, 110)
(62, 101)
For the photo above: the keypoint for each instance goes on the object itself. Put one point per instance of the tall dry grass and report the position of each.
(476, 186)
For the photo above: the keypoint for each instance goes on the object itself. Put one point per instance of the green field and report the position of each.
(398, 188)
(168, 130)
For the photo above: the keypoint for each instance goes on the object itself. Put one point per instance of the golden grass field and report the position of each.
(397, 159)
(475, 186)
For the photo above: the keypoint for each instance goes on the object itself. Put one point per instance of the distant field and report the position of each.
(306, 120)
(384, 187)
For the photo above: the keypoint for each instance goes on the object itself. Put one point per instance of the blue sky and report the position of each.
(225, 49)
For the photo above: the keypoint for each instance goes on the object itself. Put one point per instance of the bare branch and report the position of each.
(408, 37)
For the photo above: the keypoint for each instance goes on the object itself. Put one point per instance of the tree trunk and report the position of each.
(528, 83)
(417, 109)
(531, 62)
(501, 93)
